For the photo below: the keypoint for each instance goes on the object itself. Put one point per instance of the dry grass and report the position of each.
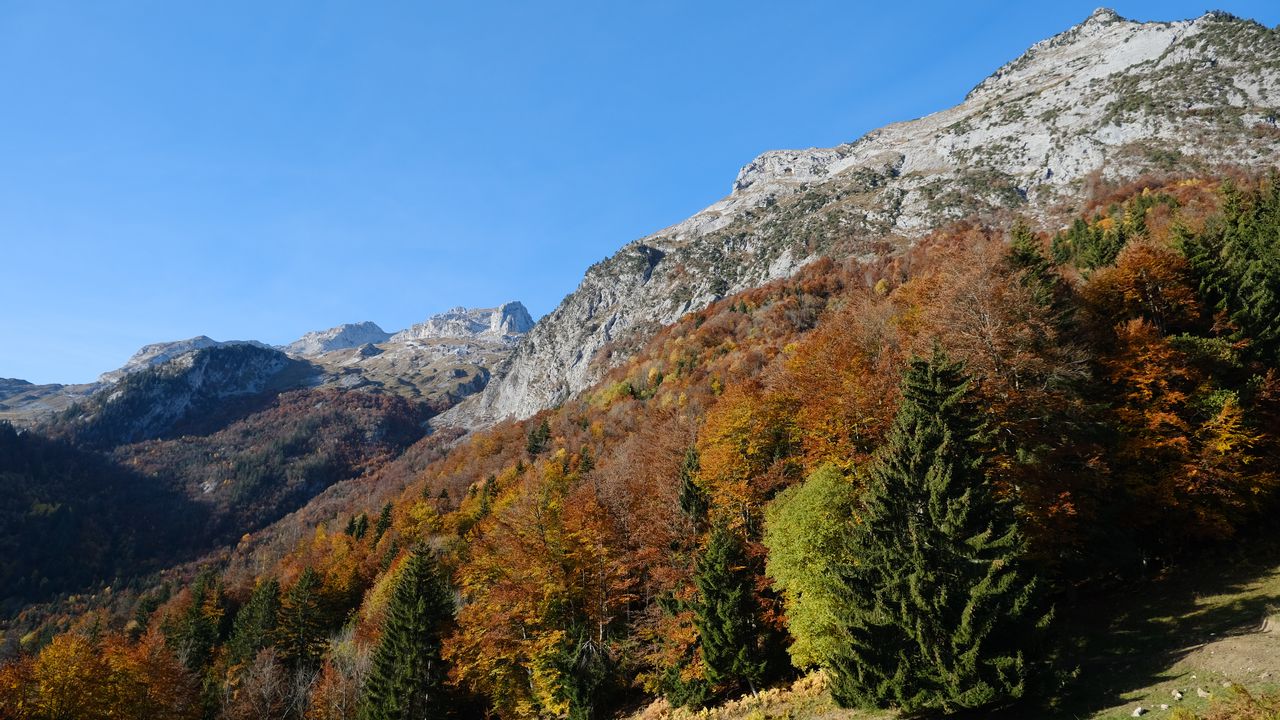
(806, 699)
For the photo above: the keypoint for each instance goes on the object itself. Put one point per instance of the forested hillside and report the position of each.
(906, 471)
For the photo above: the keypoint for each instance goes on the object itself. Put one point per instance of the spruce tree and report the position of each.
(938, 604)
(383, 524)
(407, 678)
(300, 630)
(1237, 261)
(729, 632)
(538, 439)
(694, 502)
(255, 624)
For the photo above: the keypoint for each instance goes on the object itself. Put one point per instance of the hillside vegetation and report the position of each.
(1075, 414)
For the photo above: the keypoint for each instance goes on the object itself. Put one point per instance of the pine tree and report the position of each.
(255, 624)
(938, 605)
(729, 631)
(407, 677)
(300, 630)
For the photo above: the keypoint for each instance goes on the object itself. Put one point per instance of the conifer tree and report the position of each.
(407, 678)
(938, 604)
(694, 502)
(198, 628)
(383, 524)
(1237, 261)
(729, 631)
(538, 438)
(300, 630)
(255, 624)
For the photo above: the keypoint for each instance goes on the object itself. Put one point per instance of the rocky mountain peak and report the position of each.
(157, 354)
(505, 321)
(1108, 99)
(347, 335)
(1103, 15)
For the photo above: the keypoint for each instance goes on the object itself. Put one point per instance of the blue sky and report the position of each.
(257, 170)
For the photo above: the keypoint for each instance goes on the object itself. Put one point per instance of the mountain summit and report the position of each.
(1110, 99)
(506, 320)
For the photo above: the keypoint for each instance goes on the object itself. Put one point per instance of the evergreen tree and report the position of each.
(383, 524)
(197, 629)
(729, 631)
(538, 439)
(693, 499)
(406, 681)
(938, 605)
(1237, 261)
(1038, 273)
(255, 624)
(300, 629)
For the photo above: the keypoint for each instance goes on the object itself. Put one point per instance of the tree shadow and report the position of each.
(1126, 641)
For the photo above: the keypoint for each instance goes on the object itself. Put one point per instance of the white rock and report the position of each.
(344, 336)
(1108, 98)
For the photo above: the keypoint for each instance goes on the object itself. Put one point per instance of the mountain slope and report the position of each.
(1108, 99)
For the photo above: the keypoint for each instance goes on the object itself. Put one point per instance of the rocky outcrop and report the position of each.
(509, 320)
(1108, 99)
(441, 360)
(344, 336)
(186, 391)
(160, 353)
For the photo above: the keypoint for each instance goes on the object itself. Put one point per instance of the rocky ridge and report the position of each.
(441, 360)
(1109, 99)
(344, 336)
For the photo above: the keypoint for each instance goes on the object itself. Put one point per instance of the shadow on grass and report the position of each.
(1129, 641)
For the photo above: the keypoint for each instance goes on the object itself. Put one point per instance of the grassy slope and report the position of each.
(1197, 628)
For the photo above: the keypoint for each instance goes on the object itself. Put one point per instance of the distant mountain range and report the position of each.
(440, 360)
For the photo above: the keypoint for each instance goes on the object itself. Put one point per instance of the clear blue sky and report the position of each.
(260, 169)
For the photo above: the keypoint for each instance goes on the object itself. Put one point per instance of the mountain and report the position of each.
(508, 320)
(440, 361)
(1108, 100)
(344, 336)
(160, 353)
(192, 391)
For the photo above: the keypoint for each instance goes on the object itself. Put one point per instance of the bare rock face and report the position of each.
(1107, 99)
(441, 360)
(344, 336)
(508, 320)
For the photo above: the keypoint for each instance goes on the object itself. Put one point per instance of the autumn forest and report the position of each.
(908, 472)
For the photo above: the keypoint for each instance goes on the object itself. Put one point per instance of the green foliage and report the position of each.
(406, 681)
(255, 624)
(1036, 271)
(357, 526)
(383, 524)
(938, 606)
(683, 692)
(694, 501)
(301, 628)
(807, 529)
(1090, 245)
(1237, 261)
(538, 439)
(726, 617)
(196, 629)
